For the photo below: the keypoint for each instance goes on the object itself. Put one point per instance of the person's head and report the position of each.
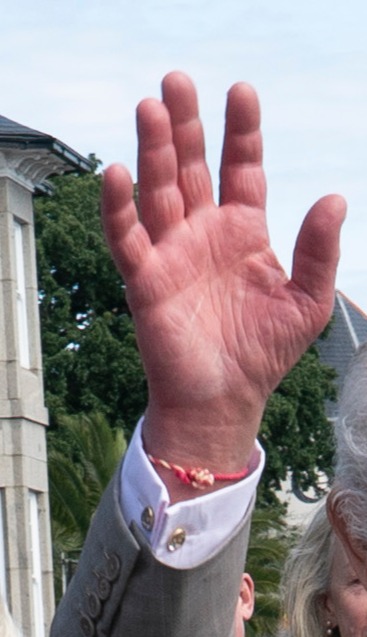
(245, 604)
(347, 502)
(322, 595)
(346, 599)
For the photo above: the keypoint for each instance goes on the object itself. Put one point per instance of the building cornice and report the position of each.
(30, 168)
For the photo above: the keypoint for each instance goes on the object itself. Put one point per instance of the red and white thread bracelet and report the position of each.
(198, 478)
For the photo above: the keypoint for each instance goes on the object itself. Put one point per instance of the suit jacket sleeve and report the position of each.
(121, 590)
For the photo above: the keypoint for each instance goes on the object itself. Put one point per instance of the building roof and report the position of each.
(348, 331)
(17, 136)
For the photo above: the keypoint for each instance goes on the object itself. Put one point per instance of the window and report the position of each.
(36, 565)
(21, 296)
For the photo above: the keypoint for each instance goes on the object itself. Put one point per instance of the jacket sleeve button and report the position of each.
(104, 588)
(94, 605)
(113, 567)
(87, 626)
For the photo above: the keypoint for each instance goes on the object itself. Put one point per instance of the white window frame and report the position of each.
(3, 591)
(36, 565)
(21, 298)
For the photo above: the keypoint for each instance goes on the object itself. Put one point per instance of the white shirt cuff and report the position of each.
(187, 533)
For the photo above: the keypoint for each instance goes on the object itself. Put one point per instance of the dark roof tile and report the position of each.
(9, 127)
(17, 136)
(348, 331)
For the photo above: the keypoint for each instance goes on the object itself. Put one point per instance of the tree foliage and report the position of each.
(90, 358)
(82, 456)
(270, 541)
(295, 432)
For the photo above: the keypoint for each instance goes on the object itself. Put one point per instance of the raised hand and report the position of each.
(217, 320)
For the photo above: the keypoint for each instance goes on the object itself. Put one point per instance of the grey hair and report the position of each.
(306, 578)
(350, 495)
(7, 626)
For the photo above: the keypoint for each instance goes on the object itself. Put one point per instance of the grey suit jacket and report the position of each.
(121, 590)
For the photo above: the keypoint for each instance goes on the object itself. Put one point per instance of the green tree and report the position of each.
(82, 457)
(295, 431)
(270, 541)
(90, 357)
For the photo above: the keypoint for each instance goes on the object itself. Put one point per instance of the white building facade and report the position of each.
(27, 157)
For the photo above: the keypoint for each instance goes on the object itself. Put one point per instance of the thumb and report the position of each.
(316, 253)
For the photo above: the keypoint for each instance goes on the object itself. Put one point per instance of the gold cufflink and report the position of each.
(176, 540)
(147, 518)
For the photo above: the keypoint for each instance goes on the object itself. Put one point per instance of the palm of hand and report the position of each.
(213, 309)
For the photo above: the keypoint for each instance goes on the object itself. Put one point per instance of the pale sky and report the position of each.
(76, 70)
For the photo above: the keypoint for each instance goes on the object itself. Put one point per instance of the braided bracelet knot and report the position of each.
(197, 477)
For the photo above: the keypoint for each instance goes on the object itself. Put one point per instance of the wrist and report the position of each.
(217, 437)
